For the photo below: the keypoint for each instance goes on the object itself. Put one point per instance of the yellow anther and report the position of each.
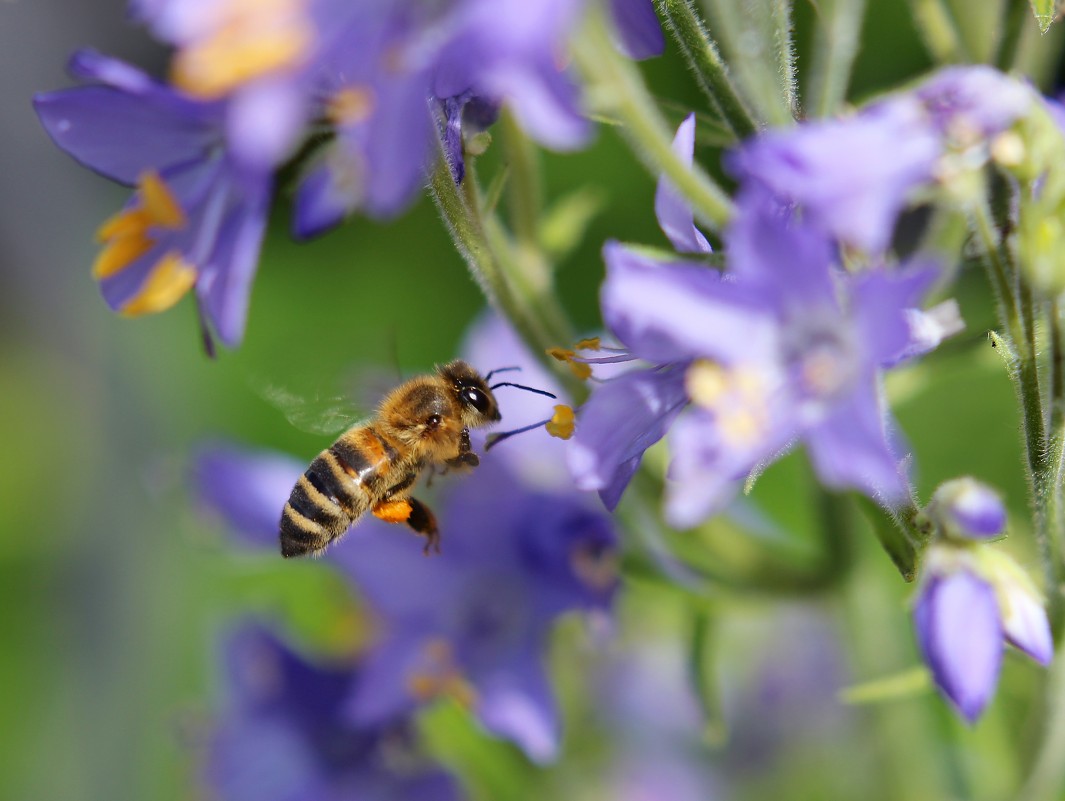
(160, 206)
(120, 253)
(580, 369)
(561, 423)
(351, 105)
(591, 343)
(248, 39)
(706, 382)
(168, 282)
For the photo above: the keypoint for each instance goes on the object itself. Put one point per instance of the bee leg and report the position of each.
(423, 521)
(416, 515)
(466, 457)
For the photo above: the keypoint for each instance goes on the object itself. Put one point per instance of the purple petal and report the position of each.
(545, 101)
(835, 171)
(674, 312)
(638, 28)
(226, 274)
(321, 202)
(673, 212)
(850, 449)
(928, 328)
(120, 135)
(789, 261)
(247, 488)
(879, 306)
(264, 122)
(622, 418)
(1026, 626)
(516, 703)
(960, 635)
(974, 98)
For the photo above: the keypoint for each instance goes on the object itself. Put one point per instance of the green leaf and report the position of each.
(1044, 13)
(908, 683)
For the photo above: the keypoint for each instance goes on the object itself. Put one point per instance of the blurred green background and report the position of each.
(113, 588)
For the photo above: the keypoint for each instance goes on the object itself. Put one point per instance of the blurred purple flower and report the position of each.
(785, 347)
(281, 735)
(199, 216)
(673, 212)
(834, 169)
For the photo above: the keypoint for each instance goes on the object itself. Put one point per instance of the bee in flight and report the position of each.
(373, 466)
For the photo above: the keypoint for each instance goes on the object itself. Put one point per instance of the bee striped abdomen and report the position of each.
(341, 484)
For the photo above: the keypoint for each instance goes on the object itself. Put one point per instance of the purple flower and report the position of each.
(835, 170)
(280, 735)
(972, 600)
(508, 50)
(974, 102)
(959, 631)
(785, 347)
(198, 216)
(965, 507)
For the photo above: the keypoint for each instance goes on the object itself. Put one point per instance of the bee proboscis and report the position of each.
(373, 466)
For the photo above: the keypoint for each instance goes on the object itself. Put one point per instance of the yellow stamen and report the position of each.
(126, 235)
(591, 343)
(580, 369)
(351, 106)
(119, 254)
(158, 203)
(168, 282)
(562, 423)
(736, 396)
(249, 39)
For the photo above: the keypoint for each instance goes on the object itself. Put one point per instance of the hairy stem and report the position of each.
(939, 31)
(705, 62)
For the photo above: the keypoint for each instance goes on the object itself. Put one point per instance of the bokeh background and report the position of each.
(113, 588)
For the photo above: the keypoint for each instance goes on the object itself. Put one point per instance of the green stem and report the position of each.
(706, 63)
(619, 87)
(1015, 14)
(836, 45)
(1046, 780)
(785, 49)
(703, 676)
(902, 534)
(524, 193)
(939, 30)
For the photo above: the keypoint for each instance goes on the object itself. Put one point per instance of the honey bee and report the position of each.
(372, 467)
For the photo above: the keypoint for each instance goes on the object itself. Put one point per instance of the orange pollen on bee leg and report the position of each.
(561, 423)
(351, 105)
(126, 235)
(247, 39)
(169, 280)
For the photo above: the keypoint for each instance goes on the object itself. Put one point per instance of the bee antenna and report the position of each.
(522, 386)
(500, 370)
(494, 439)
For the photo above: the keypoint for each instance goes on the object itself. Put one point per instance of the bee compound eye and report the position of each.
(477, 399)
(434, 421)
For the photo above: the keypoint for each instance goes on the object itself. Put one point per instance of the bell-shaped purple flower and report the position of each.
(639, 34)
(959, 631)
(198, 217)
(280, 735)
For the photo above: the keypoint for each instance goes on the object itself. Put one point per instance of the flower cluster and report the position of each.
(520, 549)
(368, 85)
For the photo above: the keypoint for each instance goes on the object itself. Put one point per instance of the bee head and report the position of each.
(474, 397)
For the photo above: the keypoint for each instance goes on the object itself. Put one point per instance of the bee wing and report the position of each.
(314, 414)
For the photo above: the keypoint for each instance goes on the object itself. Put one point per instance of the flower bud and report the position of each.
(965, 507)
